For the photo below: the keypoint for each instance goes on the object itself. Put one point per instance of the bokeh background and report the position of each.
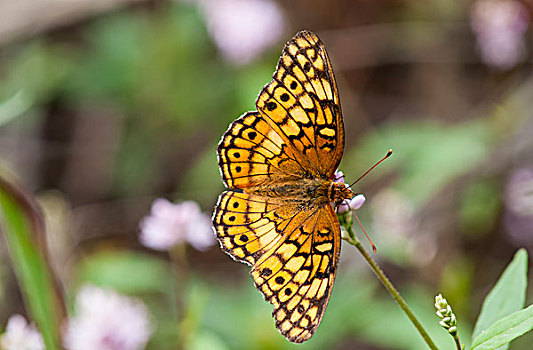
(108, 105)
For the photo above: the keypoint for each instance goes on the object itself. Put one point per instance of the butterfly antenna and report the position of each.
(374, 249)
(369, 170)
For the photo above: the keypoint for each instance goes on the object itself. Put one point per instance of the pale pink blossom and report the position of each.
(396, 221)
(500, 26)
(243, 29)
(20, 335)
(339, 176)
(518, 201)
(171, 224)
(519, 192)
(357, 201)
(354, 203)
(394, 215)
(106, 320)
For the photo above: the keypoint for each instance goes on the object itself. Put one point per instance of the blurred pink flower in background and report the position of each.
(518, 200)
(393, 214)
(106, 320)
(243, 29)
(500, 26)
(20, 335)
(396, 221)
(171, 224)
(354, 203)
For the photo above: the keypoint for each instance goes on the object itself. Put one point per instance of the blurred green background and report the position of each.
(108, 105)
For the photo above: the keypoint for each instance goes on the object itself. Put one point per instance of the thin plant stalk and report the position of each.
(353, 240)
(458, 343)
(180, 268)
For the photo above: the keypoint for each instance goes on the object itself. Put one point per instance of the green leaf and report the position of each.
(14, 107)
(23, 227)
(507, 296)
(505, 330)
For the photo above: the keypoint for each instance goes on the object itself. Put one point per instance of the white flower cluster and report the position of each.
(243, 29)
(171, 224)
(105, 320)
(20, 335)
(500, 26)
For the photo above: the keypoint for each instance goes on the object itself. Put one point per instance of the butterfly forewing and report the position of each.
(252, 153)
(302, 105)
(274, 160)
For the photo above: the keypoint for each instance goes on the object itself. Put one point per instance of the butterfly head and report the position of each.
(338, 192)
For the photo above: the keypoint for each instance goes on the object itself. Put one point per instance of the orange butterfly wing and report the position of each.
(296, 136)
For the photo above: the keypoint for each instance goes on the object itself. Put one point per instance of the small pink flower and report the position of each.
(518, 200)
(106, 320)
(170, 224)
(357, 201)
(394, 214)
(20, 335)
(339, 176)
(500, 26)
(243, 29)
(354, 203)
(519, 192)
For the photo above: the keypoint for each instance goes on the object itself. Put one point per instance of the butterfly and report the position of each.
(278, 164)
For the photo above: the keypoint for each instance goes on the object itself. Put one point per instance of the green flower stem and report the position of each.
(350, 238)
(458, 343)
(180, 268)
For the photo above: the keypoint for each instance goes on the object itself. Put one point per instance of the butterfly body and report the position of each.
(317, 191)
(279, 163)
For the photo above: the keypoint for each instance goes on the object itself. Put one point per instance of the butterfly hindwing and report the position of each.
(249, 226)
(297, 276)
